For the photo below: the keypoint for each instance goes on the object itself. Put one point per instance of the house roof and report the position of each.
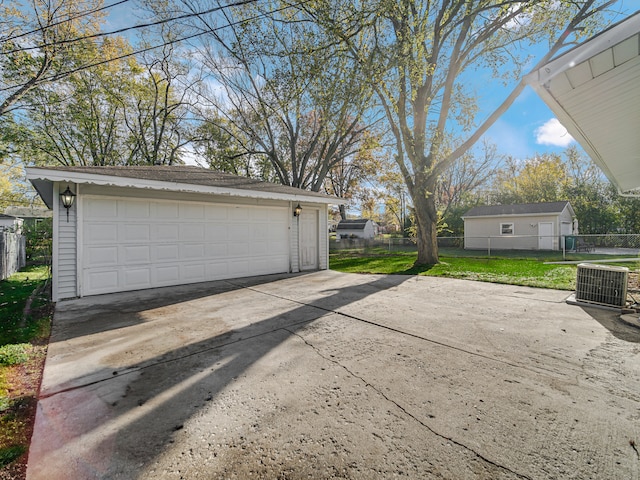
(356, 224)
(594, 91)
(518, 209)
(173, 178)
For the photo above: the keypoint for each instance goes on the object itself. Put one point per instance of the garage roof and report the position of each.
(594, 91)
(174, 178)
(518, 209)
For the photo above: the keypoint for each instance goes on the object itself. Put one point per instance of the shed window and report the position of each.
(506, 229)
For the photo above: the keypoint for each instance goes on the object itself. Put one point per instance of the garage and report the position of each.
(132, 228)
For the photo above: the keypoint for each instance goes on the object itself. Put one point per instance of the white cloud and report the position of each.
(553, 133)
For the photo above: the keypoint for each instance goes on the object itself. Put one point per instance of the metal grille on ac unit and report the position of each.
(602, 285)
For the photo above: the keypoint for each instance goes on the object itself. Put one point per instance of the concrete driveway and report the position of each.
(331, 375)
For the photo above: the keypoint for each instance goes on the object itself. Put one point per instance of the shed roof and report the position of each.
(594, 91)
(175, 178)
(518, 209)
(354, 224)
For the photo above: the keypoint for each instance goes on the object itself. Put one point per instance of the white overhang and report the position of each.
(43, 180)
(594, 90)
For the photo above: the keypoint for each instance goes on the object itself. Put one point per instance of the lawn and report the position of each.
(516, 271)
(25, 318)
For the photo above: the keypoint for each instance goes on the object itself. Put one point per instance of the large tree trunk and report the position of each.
(427, 225)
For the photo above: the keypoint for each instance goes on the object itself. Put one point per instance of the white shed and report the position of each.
(133, 228)
(526, 226)
(359, 228)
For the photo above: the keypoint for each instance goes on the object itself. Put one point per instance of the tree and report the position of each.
(419, 57)
(540, 179)
(346, 177)
(281, 97)
(458, 183)
(37, 44)
(80, 119)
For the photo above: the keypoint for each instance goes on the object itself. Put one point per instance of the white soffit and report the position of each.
(594, 90)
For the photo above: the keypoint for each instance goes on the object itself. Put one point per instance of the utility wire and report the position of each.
(135, 27)
(70, 19)
(58, 76)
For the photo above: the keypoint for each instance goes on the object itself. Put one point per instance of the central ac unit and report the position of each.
(602, 285)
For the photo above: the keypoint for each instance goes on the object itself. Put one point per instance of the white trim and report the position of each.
(55, 246)
(108, 180)
(585, 51)
(79, 240)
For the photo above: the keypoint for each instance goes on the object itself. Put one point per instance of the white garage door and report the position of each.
(133, 244)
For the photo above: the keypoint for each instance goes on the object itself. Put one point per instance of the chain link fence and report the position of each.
(565, 247)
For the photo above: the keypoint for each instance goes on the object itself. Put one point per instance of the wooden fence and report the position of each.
(13, 254)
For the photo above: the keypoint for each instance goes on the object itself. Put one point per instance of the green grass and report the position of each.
(14, 293)
(514, 271)
(25, 319)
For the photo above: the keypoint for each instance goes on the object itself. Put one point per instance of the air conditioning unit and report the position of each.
(602, 285)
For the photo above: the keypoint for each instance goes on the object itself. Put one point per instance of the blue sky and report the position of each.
(526, 129)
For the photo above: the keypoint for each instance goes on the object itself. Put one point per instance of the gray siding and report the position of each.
(65, 248)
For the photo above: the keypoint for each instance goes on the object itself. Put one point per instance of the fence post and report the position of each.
(489, 246)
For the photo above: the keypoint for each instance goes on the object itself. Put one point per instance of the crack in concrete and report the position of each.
(406, 412)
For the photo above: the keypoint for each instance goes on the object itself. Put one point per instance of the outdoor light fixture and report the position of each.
(67, 198)
(297, 210)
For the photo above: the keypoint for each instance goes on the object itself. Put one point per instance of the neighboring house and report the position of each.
(132, 228)
(10, 223)
(360, 228)
(31, 215)
(529, 226)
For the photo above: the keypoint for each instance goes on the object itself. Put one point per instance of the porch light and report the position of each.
(67, 198)
(297, 210)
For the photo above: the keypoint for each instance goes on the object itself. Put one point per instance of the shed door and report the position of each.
(545, 236)
(130, 244)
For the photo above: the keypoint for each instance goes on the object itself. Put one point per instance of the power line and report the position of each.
(135, 27)
(164, 44)
(70, 19)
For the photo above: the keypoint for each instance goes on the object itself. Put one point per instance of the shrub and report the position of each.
(14, 354)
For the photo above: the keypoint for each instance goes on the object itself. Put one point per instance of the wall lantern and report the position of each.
(297, 210)
(67, 198)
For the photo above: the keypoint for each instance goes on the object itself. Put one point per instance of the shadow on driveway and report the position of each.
(125, 372)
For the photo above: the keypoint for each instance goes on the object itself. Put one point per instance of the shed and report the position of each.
(525, 226)
(358, 228)
(133, 228)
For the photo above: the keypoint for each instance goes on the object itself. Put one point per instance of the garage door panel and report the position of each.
(99, 208)
(192, 232)
(101, 232)
(133, 232)
(191, 251)
(101, 281)
(101, 256)
(166, 233)
(217, 250)
(132, 244)
(216, 213)
(135, 278)
(134, 209)
(166, 253)
(133, 254)
(216, 233)
(193, 272)
(167, 275)
(191, 211)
